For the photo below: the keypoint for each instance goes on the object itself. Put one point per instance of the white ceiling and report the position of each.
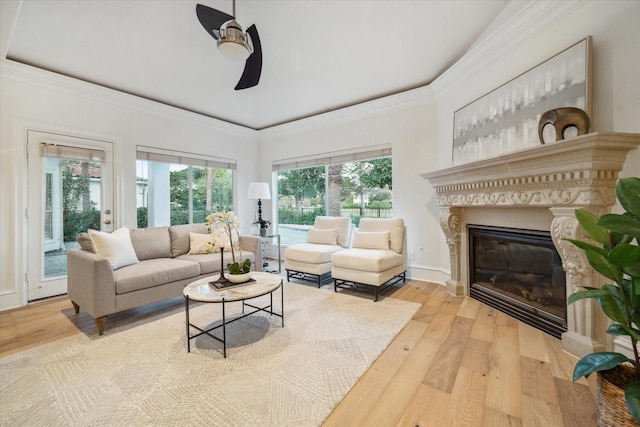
(318, 55)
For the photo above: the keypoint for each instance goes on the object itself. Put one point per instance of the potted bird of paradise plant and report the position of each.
(616, 256)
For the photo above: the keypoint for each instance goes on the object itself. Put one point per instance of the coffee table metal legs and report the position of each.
(186, 309)
(224, 331)
(207, 332)
(267, 309)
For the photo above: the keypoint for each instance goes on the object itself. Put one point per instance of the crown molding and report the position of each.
(34, 76)
(398, 101)
(531, 19)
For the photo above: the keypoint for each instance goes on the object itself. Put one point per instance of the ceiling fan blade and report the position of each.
(253, 66)
(211, 19)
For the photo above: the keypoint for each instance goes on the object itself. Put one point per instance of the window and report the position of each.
(179, 188)
(356, 185)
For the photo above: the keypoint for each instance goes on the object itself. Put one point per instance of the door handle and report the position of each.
(107, 221)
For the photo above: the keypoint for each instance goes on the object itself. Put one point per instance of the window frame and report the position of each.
(190, 160)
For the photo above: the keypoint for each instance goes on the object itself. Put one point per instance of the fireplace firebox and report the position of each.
(519, 272)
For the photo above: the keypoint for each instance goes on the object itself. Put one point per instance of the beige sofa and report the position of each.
(163, 270)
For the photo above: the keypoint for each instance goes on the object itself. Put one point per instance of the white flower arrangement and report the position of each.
(229, 223)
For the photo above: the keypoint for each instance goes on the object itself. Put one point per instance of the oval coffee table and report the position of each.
(200, 290)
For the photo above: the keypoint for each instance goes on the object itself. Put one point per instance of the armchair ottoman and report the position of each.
(377, 258)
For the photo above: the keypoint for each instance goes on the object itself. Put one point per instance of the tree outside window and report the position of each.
(354, 189)
(183, 193)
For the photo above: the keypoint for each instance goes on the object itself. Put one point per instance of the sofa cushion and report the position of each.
(210, 263)
(395, 226)
(179, 235)
(153, 272)
(200, 244)
(323, 237)
(374, 260)
(311, 253)
(342, 224)
(116, 247)
(151, 242)
(371, 240)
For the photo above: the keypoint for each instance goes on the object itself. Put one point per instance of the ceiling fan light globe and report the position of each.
(233, 50)
(233, 42)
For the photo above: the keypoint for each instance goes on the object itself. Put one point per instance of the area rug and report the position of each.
(139, 372)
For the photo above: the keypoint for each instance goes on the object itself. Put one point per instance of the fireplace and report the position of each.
(536, 188)
(519, 272)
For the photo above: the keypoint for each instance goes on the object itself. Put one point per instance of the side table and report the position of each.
(276, 237)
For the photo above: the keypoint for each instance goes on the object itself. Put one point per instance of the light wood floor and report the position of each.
(456, 363)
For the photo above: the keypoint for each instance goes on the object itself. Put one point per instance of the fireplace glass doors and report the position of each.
(520, 273)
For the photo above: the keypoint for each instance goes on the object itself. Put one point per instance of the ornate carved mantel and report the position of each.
(564, 176)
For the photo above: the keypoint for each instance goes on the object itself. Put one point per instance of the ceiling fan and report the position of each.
(233, 42)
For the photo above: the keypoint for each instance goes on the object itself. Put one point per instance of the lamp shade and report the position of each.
(259, 190)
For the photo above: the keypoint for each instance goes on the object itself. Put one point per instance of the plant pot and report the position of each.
(239, 278)
(263, 231)
(611, 406)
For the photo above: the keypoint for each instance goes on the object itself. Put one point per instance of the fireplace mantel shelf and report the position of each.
(577, 172)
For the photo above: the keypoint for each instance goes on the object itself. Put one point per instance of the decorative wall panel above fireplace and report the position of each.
(506, 119)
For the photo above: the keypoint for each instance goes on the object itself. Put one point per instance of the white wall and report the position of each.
(33, 99)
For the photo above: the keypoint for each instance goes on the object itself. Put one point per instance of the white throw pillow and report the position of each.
(116, 247)
(323, 236)
(342, 224)
(371, 240)
(199, 244)
(395, 226)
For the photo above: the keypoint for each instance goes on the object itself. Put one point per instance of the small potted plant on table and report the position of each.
(264, 225)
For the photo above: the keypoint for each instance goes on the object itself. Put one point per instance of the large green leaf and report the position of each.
(624, 255)
(614, 309)
(624, 224)
(632, 270)
(590, 293)
(628, 193)
(632, 397)
(589, 223)
(622, 238)
(596, 362)
(602, 265)
(629, 289)
(587, 246)
(617, 329)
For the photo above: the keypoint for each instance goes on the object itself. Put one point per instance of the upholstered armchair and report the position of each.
(377, 257)
(312, 260)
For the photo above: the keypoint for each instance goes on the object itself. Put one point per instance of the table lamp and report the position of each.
(259, 190)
